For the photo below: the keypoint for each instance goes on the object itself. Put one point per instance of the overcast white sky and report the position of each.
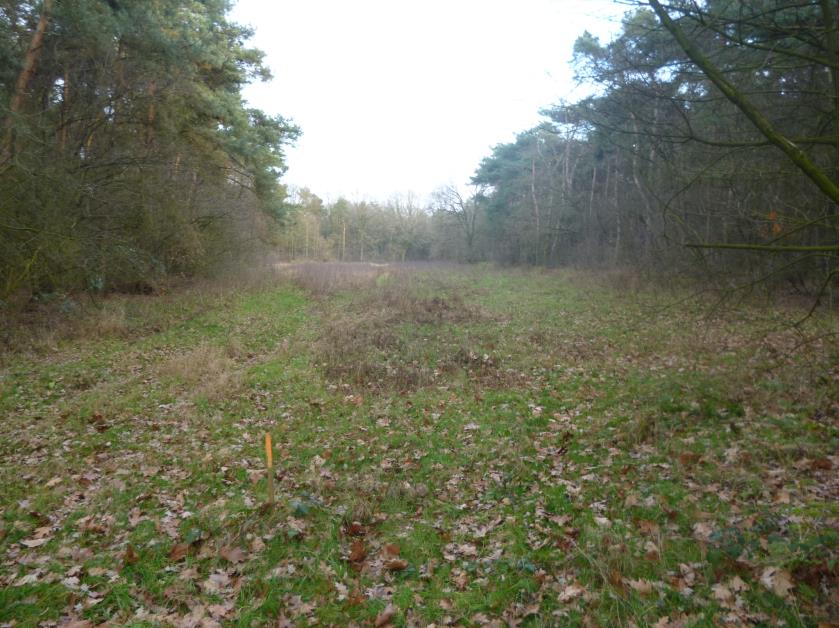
(398, 96)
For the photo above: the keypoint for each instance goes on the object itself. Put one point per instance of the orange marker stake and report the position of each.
(269, 462)
(269, 451)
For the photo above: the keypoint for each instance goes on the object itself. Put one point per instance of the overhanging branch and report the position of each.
(772, 248)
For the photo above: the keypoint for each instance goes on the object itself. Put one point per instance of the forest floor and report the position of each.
(452, 446)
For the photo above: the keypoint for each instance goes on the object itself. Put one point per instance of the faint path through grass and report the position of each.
(454, 445)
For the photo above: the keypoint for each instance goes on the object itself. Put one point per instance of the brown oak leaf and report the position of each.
(357, 551)
(179, 551)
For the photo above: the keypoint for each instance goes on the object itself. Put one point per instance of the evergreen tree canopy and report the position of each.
(127, 150)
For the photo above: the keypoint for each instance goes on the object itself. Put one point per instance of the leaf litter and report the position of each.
(614, 468)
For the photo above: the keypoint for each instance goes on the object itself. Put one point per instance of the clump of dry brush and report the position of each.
(394, 326)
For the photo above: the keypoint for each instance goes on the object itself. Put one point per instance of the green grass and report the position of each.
(539, 448)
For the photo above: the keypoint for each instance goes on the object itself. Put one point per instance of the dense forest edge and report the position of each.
(128, 154)
(708, 149)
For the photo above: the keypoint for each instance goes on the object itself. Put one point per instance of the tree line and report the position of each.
(710, 146)
(126, 150)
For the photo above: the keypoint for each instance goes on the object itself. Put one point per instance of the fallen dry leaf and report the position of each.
(356, 529)
(723, 594)
(644, 587)
(357, 551)
(737, 584)
(130, 556)
(343, 591)
(396, 564)
(30, 543)
(386, 616)
(688, 458)
(527, 611)
(645, 526)
(821, 464)
(257, 545)
(135, 517)
(219, 611)
(216, 582)
(631, 500)
(702, 531)
(616, 580)
(651, 552)
(778, 581)
(571, 592)
(461, 580)
(179, 551)
(232, 554)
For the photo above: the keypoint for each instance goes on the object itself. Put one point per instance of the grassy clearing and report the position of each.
(454, 446)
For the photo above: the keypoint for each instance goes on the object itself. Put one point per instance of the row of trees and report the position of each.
(126, 151)
(710, 145)
(404, 228)
(401, 229)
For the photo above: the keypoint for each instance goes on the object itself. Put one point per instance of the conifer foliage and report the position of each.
(127, 152)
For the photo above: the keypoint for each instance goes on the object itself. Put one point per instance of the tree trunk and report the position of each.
(535, 209)
(617, 217)
(152, 113)
(30, 64)
(646, 210)
(65, 114)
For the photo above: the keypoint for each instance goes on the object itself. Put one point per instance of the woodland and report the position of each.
(709, 148)
(596, 386)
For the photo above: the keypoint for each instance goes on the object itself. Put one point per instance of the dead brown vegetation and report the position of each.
(40, 326)
(326, 278)
(398, 332)
(206, 371)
